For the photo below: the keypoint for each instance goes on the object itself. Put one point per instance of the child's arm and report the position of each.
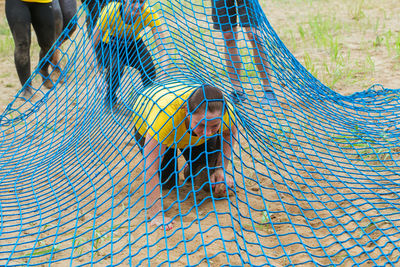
(96, 37)
(229, 139)
(151, 153)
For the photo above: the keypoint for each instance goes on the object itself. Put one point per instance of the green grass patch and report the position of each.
(43, 250)
(6, 40)
(376, 152)
(356, 12)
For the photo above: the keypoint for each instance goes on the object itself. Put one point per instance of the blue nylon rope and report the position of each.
(316, 175)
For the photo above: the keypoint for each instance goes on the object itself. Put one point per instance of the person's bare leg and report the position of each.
(260, 57)
(55, 61)
(63, 11)
(261, 62)
(58, 23)
(233, 60)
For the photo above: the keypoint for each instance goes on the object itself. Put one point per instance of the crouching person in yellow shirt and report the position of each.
(197, 122)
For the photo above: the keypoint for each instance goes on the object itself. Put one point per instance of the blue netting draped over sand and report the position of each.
(316, 175)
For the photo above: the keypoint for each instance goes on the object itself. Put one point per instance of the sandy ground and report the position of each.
(302, 199)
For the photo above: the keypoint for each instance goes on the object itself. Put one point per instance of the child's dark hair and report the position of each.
(133, 1)
(206, 96)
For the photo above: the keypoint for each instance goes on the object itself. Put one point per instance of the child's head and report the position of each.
(205, 108)
(131, 7)
(129, 2)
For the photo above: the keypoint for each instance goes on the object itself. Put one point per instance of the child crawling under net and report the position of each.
(195, 121)
(118, 42)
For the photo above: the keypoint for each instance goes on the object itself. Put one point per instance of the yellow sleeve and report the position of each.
(106, 18)
(38, 1)
(228, 118)
(100, 24)
(151, 18)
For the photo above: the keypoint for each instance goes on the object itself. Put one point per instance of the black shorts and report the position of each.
(225, 13)
(202, 161)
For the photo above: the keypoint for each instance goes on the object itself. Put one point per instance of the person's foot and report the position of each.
(48, 83)
(238, 96)
(46, 79)
(269, 98)
(27, 93)
(55, 75)
(167, 223)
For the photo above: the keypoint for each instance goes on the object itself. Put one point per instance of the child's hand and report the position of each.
(167, 223)
(218, 177)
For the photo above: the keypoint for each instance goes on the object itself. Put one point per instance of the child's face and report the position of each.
(132, 8)
(203, 125)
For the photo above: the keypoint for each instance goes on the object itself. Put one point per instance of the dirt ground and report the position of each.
(304, 195)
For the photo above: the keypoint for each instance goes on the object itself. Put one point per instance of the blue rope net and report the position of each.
(316, 175)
